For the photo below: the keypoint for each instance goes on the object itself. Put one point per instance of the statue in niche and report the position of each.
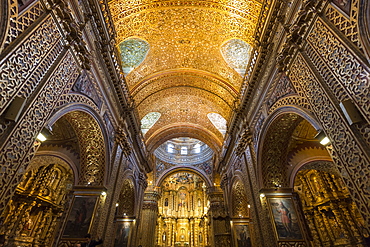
(27, 227)
(182, 237)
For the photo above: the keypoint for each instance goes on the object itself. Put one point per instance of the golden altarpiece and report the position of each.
(185, 122)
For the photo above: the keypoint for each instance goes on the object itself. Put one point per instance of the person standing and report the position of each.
(90, 242)
(285, 219)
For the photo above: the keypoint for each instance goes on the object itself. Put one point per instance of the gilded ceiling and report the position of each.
(184, 60)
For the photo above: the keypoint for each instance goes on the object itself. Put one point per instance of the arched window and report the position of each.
(170, 148)
(197, 148)
(133, 52)
(184, 150)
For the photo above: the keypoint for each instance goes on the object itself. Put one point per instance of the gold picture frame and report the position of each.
(242, 233)
(284, 217)
(80, 217)
(123, 231)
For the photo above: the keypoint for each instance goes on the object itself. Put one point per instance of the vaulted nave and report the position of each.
(185, 123)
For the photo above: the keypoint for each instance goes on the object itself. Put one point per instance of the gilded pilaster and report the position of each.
(148, 218)
(219, 219)
(309, 215)
(258, 208)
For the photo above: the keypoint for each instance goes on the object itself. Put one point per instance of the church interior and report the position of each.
(185, 123)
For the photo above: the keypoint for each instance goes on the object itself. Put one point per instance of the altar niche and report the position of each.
(183, 209)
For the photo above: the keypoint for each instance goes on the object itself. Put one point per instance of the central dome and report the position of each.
(184, 151)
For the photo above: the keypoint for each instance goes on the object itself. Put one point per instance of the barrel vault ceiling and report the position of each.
(184, 59)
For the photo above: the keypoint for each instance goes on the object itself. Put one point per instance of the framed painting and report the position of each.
(123, 230)
(80, 217)
(242, 235)
(284, 215)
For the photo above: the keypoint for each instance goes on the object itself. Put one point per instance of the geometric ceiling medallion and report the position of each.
(148, 121)
(133, 51)
(218, 121)
(236, 53)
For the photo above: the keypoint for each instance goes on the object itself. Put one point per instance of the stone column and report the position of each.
(149, 217)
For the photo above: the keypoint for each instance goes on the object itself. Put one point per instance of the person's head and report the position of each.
(88, 236)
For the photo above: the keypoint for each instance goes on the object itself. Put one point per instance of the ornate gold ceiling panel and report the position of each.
(184, 75)
(184, 100)
(158, 86)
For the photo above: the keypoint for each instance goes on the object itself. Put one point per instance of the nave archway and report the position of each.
(45, 209)
(304, 192)
(330, 213)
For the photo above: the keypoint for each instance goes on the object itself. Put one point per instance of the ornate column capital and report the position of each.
(297, 31)
(122, 140)
(216, 198)
(141, 180)
(244, 140)
(72, 31)
(224, 182)
(151, 198)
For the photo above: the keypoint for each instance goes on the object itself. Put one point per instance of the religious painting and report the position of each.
(285, 218)
(344, 5)
(242, 235)
(123, 230)
(80, 217)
